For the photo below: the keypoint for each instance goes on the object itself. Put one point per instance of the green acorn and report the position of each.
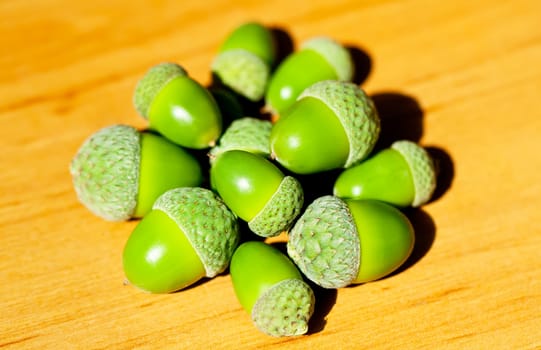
(318, 59)
(270, 287)
(332, 125)
(178, 107)
(338, 242)
(257, 191)
(245, 59)
(402, 175)
(118, 172)
(246, 134)
(189, 234)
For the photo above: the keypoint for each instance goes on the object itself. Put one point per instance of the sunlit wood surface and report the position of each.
(460, 77)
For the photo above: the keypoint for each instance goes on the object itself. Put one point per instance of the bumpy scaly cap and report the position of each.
(281, 209)
(243, 72)
(152, 82)
(356, 112)
(209, 225)
(284, 309)
(334, 53)
(246, 134)
(324, 243)
(422, 169)
(105, 172)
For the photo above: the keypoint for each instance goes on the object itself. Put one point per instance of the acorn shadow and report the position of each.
(401, 118)
(283, 44)
(362, 64)
(445, 171)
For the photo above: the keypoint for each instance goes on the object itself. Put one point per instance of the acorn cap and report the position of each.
(356, 112)
(246, 134)
(280, 211)
(152, 82)
(243, 72)
(422, 169)
(209, 225)
(338, 56)
(284, 309)
(324, 243)
(105, 172)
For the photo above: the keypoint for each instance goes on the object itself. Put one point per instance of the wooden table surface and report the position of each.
(460, 77)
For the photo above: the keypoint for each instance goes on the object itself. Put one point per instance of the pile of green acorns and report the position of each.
(192, 210)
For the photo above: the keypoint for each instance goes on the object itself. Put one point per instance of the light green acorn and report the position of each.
(402, 175)
(246, 134)
(118, 172)
(332, 125)
(320, 58)
(189, 234)
(270, 287)
(338, 242)
(245, 59)
(257, 191)
(178, 107)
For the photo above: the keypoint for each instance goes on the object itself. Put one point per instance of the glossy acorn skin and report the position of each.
(244, 181)
(309, 138)
(384, 176)
(163, 166)
(253, 37)
(257, 266)
(186, 113)
(298, 71)
(269, 286)
(386, 238)
(158, 258)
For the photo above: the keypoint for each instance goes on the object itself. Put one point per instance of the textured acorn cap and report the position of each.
(356, 112)
(105, 172)
(324, 243)
(209, 225)
(280, 211)
(338, 56)
(246, 134)
(152, 82)
(422, 169)
(243, 72)
(284, 309)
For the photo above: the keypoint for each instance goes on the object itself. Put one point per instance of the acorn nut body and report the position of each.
(245, 59)
(118, 172)
(402, 175)
(257, 191)
(332, 125)
(189, 234)
(320, 58)
(178, 107)
(338, 242)
(270, 287)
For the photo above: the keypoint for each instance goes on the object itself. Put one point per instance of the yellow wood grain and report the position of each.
(461, 77)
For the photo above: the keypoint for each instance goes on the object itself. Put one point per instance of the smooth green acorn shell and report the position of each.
(245, 59)
(246, 134)
(338, 242)
(318, 59)
(257, 191)
(178, 107)
(422, 169)
(324, 243)
(209, 225)
(269, 286)
(152, 82)
(384, 176)
(105, 172)
(356, 112)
